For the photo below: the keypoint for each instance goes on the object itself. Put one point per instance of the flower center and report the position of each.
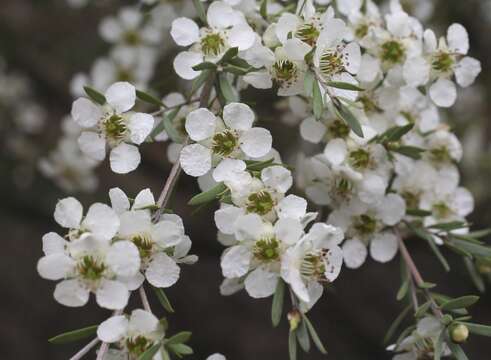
(369, 105)
(124, 75)
(285, 71)
(331, 63)
(443, 62)
(313, 266)
(224, 143)
(441, 210)
(359, 159)
(365, 224)
(393, 52)
(90, 268)
(440, 154)
(212, 44)
(361, 31)
(343, 187)
(115, 128)
(339, 129)
(144, 244)
(132, 38)
(260, 203)
(267, 249)
(308, 33)
(138, 345)
(412, 199)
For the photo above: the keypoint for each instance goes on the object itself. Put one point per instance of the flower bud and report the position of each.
(459, 333)
(294, 317)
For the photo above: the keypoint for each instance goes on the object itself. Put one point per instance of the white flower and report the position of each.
(132, 334)
(234, 137)
(113, 125)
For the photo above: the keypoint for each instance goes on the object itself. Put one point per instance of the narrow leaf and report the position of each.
(423, 234)
(318, 103)
(150, 353)
(205, 66)
(313, 334)
(179, 338)
(460, 303)
(200, 80)
(474, 274)
(150, 99)
(277, 305)
(450, 226)
(292, 345)
(344, 86)
(412, 152)
(457, 351)
(229, 55)
(200, 10)
(478, 329)
(308, 83)
(345, 114)
(474, 249)
(403, 289)
(439, 346)
(95, 95)
(170, 129)
(303, 337)
(422, 310)
(163, 299)
(418, 212)
(181, 349)
(396, 323)
(225, 89)
(208, 196)
(74, 335)
(263, 10)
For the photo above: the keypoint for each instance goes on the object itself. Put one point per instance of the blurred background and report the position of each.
(43, 45)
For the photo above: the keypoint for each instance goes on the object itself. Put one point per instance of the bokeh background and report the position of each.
(47, 42)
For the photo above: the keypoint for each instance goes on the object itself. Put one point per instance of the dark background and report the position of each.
(49, 42)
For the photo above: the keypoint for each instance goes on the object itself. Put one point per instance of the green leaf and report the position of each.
(313, 334)
(163, 299)
(74, 335)
(303, 336)
(209, 195)
(206, 65)
(396, 323)
(277, 305)
(422, 310)
(442, 299)
(403, 289)
(179, 338)
(165, 354)
(412, 152)
(457, 351)
(345, 114)
(318, 103)
(150, 99)
(393, 134)
(427, 285)
(95, 95)
(460, 303)
(474, 274)
(480, 233)
(225, 89)
(229, 55)
(180, 349)
(200, 10)
(449, 226)
(478, 329)
(474, 249)
(344, 86)
(423, 234)
(418, 212)
(200, 80)
(150, 353)
(253, 165)
(263, 10)
(308, 83)
(292, 345)
(236, 70)
(439, 346)
(169, 127)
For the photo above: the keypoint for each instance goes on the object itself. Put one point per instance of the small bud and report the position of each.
(294, 317)
(459, 333)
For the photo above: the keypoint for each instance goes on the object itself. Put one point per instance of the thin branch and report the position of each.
(144, 299)
(85, 350)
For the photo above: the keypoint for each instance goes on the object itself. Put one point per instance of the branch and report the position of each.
(85, 349)
(144, 298)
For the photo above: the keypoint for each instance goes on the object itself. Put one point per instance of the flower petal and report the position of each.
(68, 213)
(162, 272)
(256, 142)
(112, 295)
(140, 126)
(195, 159)
(238, 116)
(102, 221)
(121, 96)
(184, 31)
(85, 113)
(261, 283)
(124, 158)
(123, 258)
(200, 124)
(354, 253)
(113, 329)
(383, 247)
(236, 261)
(71, 293)
(184, 62)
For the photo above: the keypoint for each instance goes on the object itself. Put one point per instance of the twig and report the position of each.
(85, 349)
(144, 298)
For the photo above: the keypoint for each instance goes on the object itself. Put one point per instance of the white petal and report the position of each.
(296, 49)
(230, 170)
(369, 68)
(143, 199)
(102, 221)
(286, 24)
(236, 261)
(119, 200)
(261, 283)
(68, 213)
(256, 142)
(354, 253)
(162, 271)
(467, 70)
(292, 206)
(336, 151)
(334, 262)
(231, 286)
(259, 79)
(71, 293)
(429, 327)
(140, 126)
(443, 93)
(55, 266)
(123, 258)
(416, 71)
(352, 57)
(184, 31)
(216, 357)
(392, 209)
(288, 230)
(121, 96)
(124, 158)
(143, 322)
(112, 295)
(195, 159)
(312, 130)
(184, 62)
(166, 233)
(221, 15)
(248, 227)
(242, 37)
(200, 124)
(85, 113)
(278, 178)
(238, 116)
(226, 217)
(383, 247)
(53, 244)
(325, 236)
(93, 145)
(113, 329)
(458, 39)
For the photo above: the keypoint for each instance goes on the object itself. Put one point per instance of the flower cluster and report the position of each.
(110, 250)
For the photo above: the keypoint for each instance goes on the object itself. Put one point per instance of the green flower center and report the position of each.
(115, 128)
(212, 44)
(443, 62)
(369, 105)
(331, 63)
(442, 210)
(393, 52)
(90, 268)
(343, 187)
(365, 224)
(359, 159)
(313, 266)
(308, 33)
(412, 199)
(267, 249)
(124, 75)
(138, 345)
(284, 71)
(132, 38)
(224, 143)
(144, 244)
(361, 31)
(260, 203)
(440, 154)
(339, 129)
